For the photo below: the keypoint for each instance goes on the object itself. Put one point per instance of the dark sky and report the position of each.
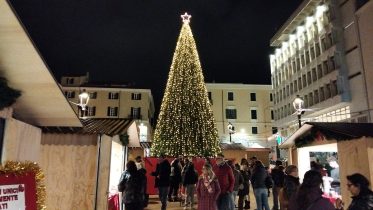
(133, 40)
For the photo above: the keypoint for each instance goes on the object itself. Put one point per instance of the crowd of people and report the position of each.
(223, 183)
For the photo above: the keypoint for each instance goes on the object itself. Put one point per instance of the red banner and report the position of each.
(18, 191)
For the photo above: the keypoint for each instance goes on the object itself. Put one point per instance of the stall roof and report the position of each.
(340, 130)
(42, 102)
(107, 126)
(232, 146)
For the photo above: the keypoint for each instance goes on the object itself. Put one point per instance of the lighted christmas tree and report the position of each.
(186, 125)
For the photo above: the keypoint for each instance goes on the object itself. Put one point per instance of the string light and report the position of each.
(186, 124)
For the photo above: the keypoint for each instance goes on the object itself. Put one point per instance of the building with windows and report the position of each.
(113, 101)
(248, 108)
(318, 56)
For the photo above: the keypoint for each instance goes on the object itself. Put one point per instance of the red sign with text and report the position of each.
(18, 191)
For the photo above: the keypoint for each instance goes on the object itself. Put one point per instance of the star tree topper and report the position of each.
(186, 17)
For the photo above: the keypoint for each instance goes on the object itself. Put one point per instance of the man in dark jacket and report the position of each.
(226, 180)
(162, 179)
(278, 175)
(175, 180)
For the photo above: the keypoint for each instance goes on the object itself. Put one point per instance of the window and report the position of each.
(314, 75)
(230, 96)
(274, 130)
(136, 96)
(231, 113)
(270, 97)
(136, 112)
(93, 95)
(113, 95)
(112, 111)
(91, 111)
(252, 96)
(254, 114)
(210, 96)
(254, 130)
(317, 49)
(70, 94)
(70, 81)
(272, 115)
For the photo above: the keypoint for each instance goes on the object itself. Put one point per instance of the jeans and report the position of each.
(225, 201)
(275, 191)
(174, 190)
(261, 197)
(163, 191)
(234, 195)
(189, 191)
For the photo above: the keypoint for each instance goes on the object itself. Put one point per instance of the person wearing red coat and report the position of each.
(226, 180)
(208, 189)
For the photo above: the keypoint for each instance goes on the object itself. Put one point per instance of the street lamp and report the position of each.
(298, 105)
(83, 101)
(230, 131)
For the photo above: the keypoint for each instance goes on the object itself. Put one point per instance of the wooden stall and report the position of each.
(353, 142)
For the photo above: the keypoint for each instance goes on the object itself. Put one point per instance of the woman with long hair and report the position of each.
(291, 183)
(258, 182)
(362, 196)
(208, 189)
(309, 194)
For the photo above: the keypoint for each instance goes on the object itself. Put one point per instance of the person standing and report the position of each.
(225, 177)
(291, 183)
(208, 189)
(133, 184)
(162, 179)
(175, 180)
(309, 194)
(238, 180)
(278, 175)
(362, 196)
(245, 190)
(189, 182)
(258, 181)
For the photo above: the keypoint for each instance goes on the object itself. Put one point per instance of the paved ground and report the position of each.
(154, 203)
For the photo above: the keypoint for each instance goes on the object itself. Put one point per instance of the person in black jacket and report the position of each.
(133, 185)
(162, 179)
(258, 178)
(189, 182)
(362, 196)
(278, 175)
(175, 180)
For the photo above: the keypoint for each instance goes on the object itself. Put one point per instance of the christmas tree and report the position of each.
(186, 125)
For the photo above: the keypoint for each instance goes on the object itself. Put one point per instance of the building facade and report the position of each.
(109, 101)
(318, 57)
(249, 109)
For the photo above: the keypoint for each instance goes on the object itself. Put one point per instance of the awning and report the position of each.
(333, 131)
(42, 102)
(107, 126)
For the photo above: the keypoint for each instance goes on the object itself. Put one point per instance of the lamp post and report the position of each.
(83, 102)
(230, 131)
(298, 105)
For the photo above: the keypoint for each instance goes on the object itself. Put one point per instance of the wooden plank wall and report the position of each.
(354, 156)
(104, 175)
(69, 163)
(21, 141)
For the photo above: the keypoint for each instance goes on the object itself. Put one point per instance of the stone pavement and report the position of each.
(155, 204)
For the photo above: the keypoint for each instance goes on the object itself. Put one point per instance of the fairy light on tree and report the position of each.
(186, 124)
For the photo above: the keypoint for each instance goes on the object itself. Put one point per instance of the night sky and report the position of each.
(133, 41)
